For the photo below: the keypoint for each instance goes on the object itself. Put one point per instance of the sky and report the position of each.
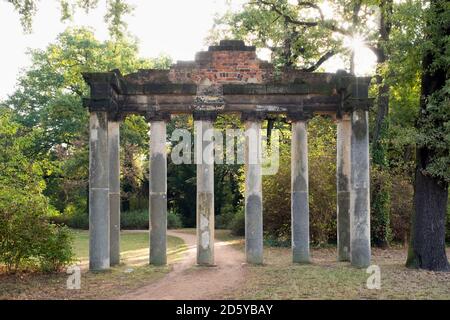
(174, 27)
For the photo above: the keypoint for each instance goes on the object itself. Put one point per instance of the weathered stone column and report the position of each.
(299, 188)
(114, 190)
(158, 188)
(344, 134)
(360, 195)
(253, 188)
(98, 192)
(204, 157)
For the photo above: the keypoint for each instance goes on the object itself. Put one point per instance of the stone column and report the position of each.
(299, 189)
(158, 189)
(344, 134)
(98, 192)
(253, 188)
(204, 157)
(114, 191)
(359, 194)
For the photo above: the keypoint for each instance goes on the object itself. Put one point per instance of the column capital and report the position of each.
(157, 116)
(294, 116)
(204, 115)
(256, 116)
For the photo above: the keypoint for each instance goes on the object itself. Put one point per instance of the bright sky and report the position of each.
(175, 27)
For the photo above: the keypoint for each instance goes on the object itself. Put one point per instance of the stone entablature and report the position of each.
(228, 77)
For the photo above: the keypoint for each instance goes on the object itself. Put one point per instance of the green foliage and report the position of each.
(134, 220)
(290, 44)
(434, 133)
(401, 207)
(174, 220)
(116, 10)
(434, 120)
(322, 187)
(139, 220)
(237, 224)
(27, 239)
(56, 250)
(381, 188)
(47, 103)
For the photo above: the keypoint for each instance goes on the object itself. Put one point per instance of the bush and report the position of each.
(401, 208)
(27, 238)
(72, 217)
(381, 189)
(138, 220)
(224, 220)
(322, 188)
(134, 220)
(237, 225)
(174, 220)
(56, 250)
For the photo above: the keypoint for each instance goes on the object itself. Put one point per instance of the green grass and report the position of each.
(128, 241)
(133, 272)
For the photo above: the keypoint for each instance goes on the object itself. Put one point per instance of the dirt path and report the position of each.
(188, 281)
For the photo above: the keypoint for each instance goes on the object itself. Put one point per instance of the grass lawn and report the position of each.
(132, 273)
(326, 278)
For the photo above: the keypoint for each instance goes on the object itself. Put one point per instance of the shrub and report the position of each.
(72, 217)
(381, 188)
(134, 220)
(237, 225)
(27, 238)
(401, 207)
(138, 219)
(174, 220)
(55, 252)
(322, 187)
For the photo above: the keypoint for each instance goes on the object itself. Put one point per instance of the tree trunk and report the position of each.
(427, 247)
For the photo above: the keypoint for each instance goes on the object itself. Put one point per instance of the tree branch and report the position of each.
(326, 24)
(319, 62)
(287, 18)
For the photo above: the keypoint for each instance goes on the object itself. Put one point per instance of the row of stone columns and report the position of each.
(352, 189)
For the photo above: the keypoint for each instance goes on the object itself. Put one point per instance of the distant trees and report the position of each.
(48, 103)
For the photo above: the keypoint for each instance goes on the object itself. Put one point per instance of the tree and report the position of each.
(26, 236)
(427, 245)
(48, 104)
